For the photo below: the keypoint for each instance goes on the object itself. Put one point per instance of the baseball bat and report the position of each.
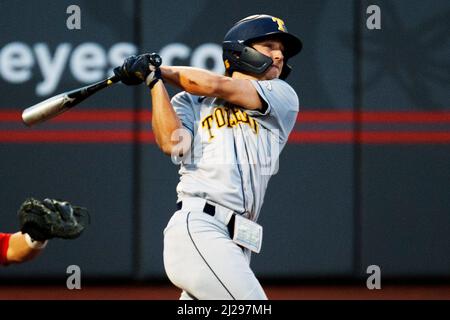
(60, 103)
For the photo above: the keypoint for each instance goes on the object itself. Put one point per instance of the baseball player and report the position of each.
(40, 221)
(227, 132)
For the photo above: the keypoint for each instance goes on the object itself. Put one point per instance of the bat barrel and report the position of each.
(45, 110)
(58, 104)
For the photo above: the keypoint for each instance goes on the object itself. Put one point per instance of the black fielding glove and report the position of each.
(51, 218)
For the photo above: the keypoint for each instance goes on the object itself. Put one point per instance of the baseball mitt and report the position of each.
(51, 218)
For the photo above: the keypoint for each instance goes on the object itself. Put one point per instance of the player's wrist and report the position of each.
(153, 78)
(35, 244)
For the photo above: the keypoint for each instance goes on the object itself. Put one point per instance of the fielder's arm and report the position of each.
(201, 82)
(19, 249)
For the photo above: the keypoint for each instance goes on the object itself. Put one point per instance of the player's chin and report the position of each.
(272, 73)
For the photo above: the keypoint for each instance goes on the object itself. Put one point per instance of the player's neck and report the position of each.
(240, 75)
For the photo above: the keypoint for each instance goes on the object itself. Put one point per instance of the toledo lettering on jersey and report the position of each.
(227, 117)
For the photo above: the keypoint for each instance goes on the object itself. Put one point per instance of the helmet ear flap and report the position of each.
(244, 58)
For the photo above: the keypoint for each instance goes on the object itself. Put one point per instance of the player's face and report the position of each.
(273, 49)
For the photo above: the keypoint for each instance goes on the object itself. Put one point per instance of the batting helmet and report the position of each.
(239, 56)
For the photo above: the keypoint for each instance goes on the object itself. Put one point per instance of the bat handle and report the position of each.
(85, 92)
(112, 79)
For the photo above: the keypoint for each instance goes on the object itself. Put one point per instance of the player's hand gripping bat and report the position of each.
(135, 70)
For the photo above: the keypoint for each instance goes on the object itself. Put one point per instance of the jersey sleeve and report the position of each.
(4, 244)
(282, 106)
(182, 104)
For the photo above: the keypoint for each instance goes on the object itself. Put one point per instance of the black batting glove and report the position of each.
(135, 69)
(155, 73)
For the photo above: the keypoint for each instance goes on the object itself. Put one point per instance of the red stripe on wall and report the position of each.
(404, 137)
(369, 137)
(325, 116)
(104, 116)
(406, 117)
(321, 137)
(58, 136)
(297, 137)
(374, 116)
(27, 135)
(84, 116)
(115, 115)
(10, 115)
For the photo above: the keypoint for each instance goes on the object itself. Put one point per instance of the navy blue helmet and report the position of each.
(238, 55)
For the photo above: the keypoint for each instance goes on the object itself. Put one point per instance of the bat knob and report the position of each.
(155, 59)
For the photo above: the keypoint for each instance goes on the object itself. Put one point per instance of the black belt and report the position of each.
(211, 210)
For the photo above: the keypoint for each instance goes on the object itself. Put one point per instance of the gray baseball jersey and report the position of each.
(235, 150)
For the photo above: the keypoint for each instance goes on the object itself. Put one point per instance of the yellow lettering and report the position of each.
(244, 117)
(230, 117)
(238, 114)
(254, 125)
(220, 117)
(207, 124)
(280, 23)
(231, 120)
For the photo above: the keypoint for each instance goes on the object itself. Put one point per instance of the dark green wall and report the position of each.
(336, 206)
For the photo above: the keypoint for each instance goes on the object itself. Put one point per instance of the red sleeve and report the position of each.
(4, 244)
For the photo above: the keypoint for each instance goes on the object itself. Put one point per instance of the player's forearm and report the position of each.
(164, 119)
(19, 250)
(193, 80)
(206, 83)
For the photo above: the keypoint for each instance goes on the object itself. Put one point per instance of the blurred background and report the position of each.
(364, 179)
